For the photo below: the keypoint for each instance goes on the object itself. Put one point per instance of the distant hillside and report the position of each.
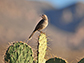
(67, 19)
(17, 16)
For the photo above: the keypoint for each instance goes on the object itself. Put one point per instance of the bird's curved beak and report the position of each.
(40, 15)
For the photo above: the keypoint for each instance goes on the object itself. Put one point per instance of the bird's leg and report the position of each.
(41, 31)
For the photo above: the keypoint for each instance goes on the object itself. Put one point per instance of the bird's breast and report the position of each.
(45, 24)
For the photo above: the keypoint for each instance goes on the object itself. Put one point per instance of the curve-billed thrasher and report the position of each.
(41, 25)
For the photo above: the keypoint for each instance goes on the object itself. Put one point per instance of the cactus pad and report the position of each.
(41, 47)
(19, 52)
(81, 61)
(56, 60)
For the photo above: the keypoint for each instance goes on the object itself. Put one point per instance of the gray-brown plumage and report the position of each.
(41, 25)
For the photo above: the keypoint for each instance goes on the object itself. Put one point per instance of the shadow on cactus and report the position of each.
(19, 52)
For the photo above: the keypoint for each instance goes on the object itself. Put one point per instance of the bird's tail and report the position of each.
(32, 34)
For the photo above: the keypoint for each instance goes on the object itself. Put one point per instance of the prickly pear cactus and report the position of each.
(81, 61)
(56, 60)
(41, 48)
(19, 52)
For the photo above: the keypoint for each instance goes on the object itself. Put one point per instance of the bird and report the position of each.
(43, 23)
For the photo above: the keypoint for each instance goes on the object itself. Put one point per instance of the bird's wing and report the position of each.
(39, 25)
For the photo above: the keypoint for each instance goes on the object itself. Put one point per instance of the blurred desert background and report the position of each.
(65, 31)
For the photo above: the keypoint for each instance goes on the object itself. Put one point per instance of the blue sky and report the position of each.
(59, 4)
